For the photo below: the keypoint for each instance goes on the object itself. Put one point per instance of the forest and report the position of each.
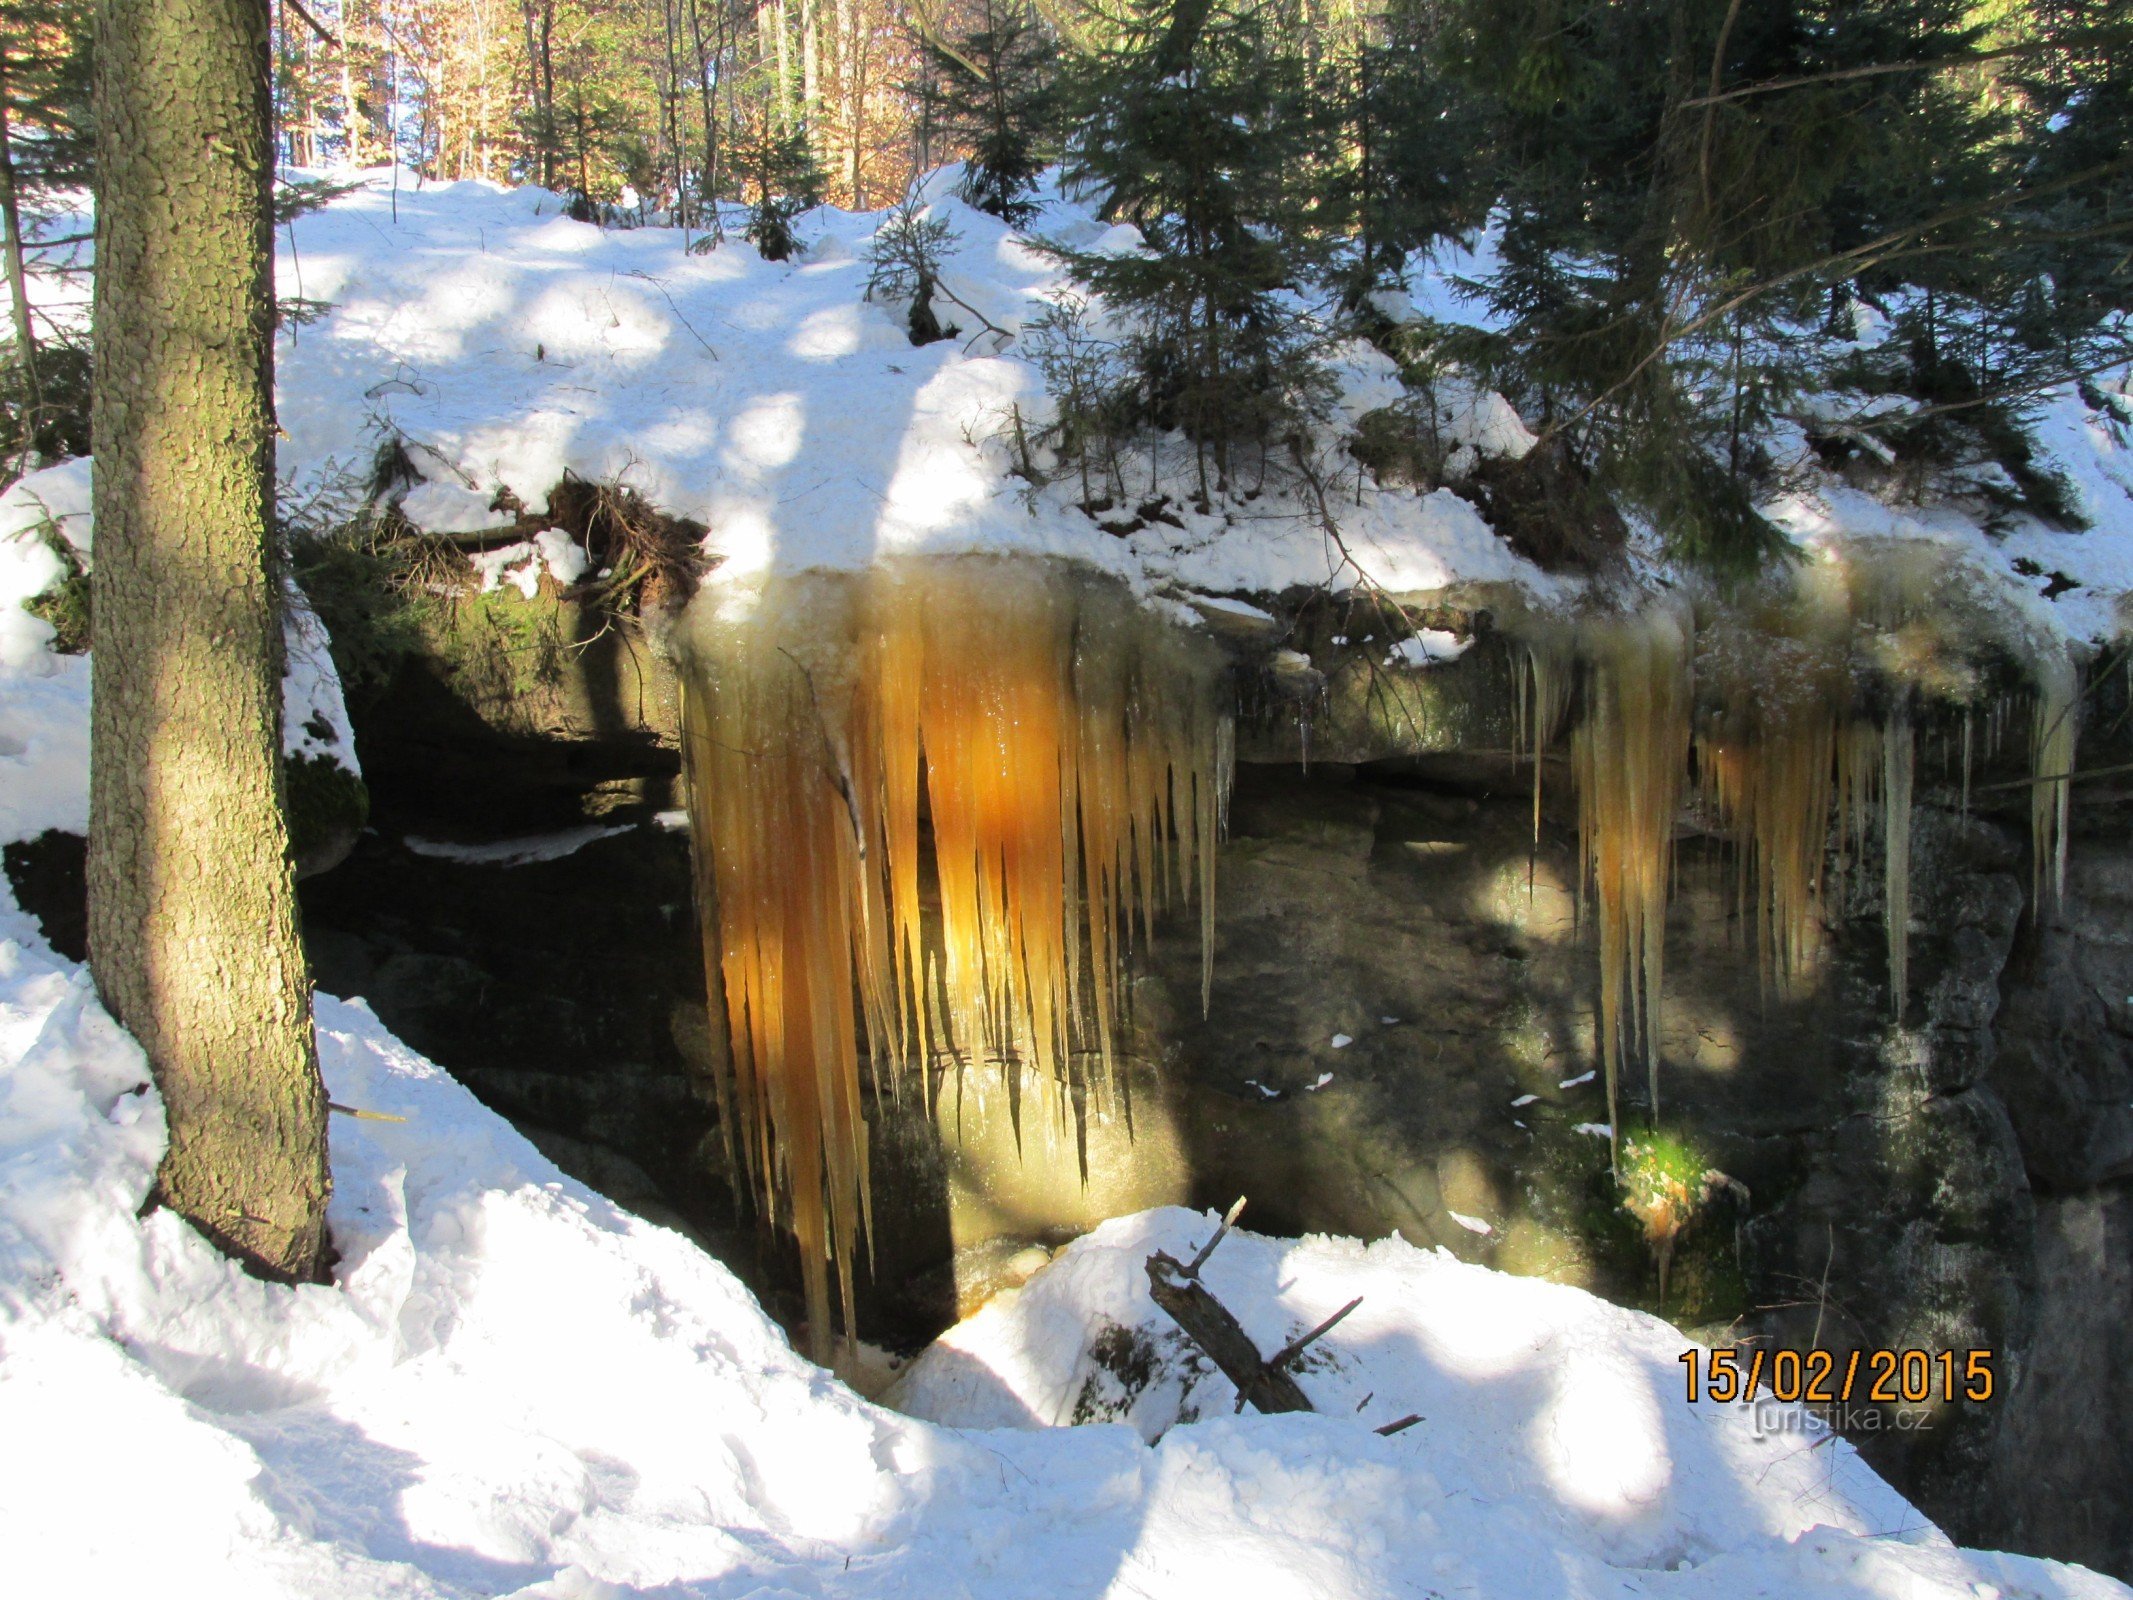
(1693, 203)
(1066, 798)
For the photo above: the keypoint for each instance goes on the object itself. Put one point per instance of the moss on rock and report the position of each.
(328, 806)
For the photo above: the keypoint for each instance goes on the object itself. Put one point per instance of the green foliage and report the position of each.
(1191, 124)
(2075, 111)
(904, 263)
(1397, 164)
(1687, 193)
(60, 426)
(1093, 402)
(65, 605)
(47, 46)
(994, 88)
(366, 573)
(299, 197)
(781, 180)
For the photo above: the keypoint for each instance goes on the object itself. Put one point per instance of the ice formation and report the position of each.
(1629, 759)
(1067, 752)
(1801, 700)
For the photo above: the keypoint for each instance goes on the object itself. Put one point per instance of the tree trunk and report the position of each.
(706, 87)
(192, 902)
(351, 118)
(18, 281)
(785, 116)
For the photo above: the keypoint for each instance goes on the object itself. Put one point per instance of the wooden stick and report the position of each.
(1296, 1347)
(1401, 1426)
(363, 1116)
(1208, 1249)
(1208, 1323)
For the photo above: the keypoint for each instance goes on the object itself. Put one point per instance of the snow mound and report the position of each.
(44, 696)
(1532, 1395)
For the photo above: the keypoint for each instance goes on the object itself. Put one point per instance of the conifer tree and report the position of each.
(780, 179)
(993, 89)
(1688, 187)
(1403, 145)
(193, 934)
(904, 263)
(1190, 122)
(44, 148)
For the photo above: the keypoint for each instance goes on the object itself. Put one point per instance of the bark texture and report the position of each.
(192, 911)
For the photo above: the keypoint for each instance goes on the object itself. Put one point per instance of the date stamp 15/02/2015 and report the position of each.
(1821, 1377)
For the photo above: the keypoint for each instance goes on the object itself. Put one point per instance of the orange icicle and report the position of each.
(1072, 759)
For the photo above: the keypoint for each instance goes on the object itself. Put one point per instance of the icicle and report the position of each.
(1074, 765)
(1540, 708)
(1630, 755)
(2054, 733)
(1967, 720)
(1898, 754)
(1768, 776)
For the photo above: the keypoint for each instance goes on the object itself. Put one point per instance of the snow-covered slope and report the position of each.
(771, 401)
(508, 343)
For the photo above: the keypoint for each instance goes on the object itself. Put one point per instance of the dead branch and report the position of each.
(1207, 1323)
(1229, 1221)
(1296, 1347)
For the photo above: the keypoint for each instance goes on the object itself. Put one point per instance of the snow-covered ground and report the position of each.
(771, 401)
(514, 1388)
(506, 343)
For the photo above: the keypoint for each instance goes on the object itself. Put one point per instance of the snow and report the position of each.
(314, 715)
(1581, 1078)
(514, 1387)
(442, 506)
(44, 697)
(1233, 607)
(1428, 647)
(514, 852)
(523, 562)
(1556, 1453)
(506, 344)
